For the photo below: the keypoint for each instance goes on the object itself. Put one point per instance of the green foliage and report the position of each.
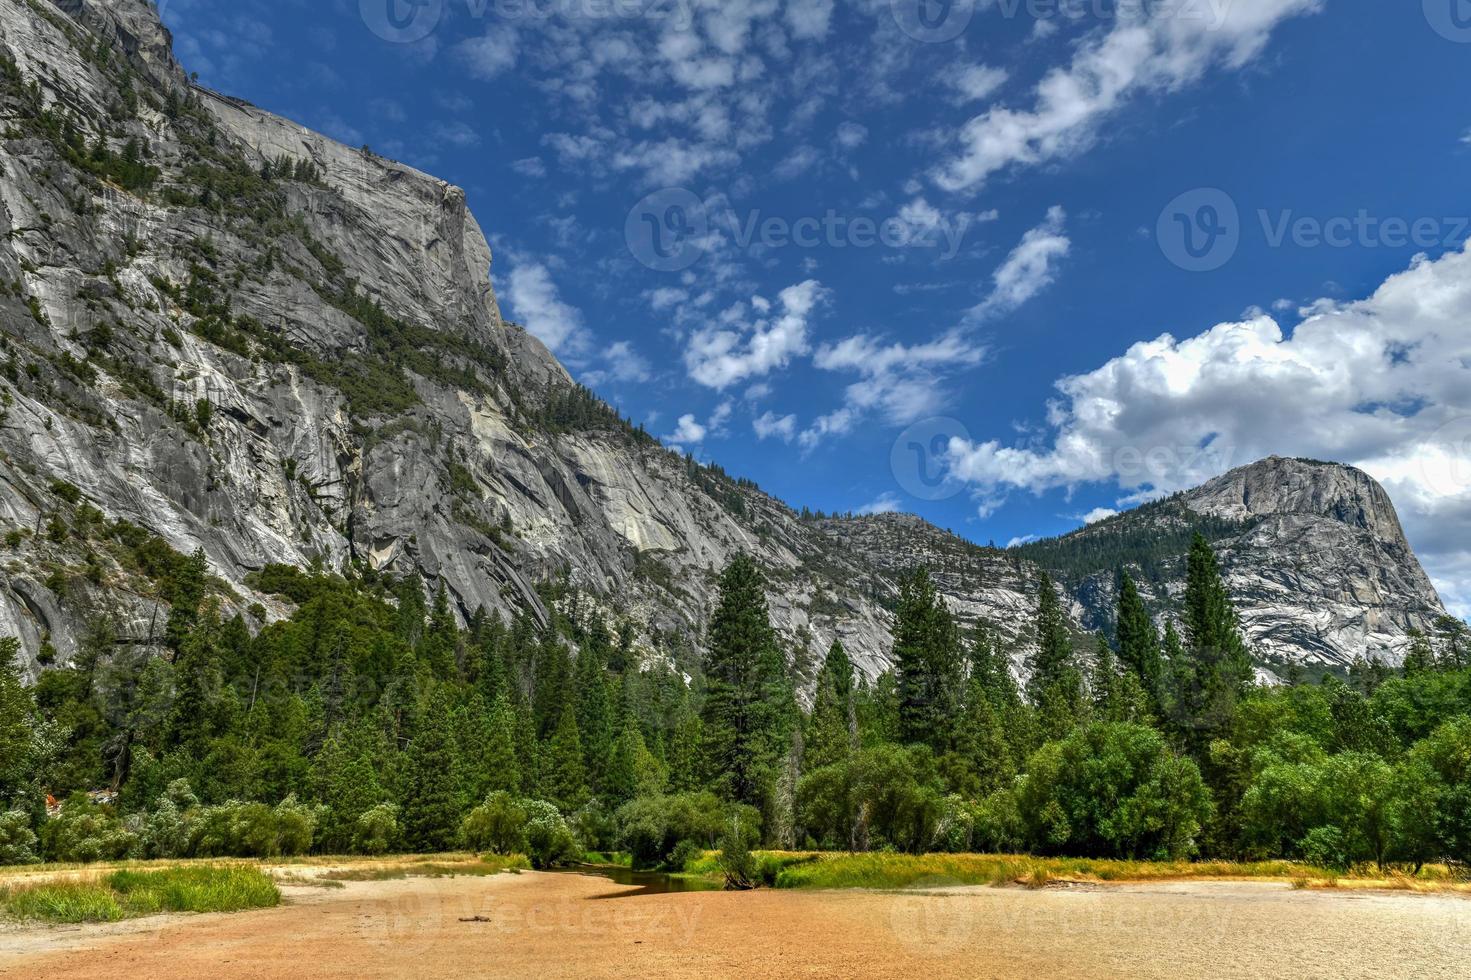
(377, 829)
(549, 841)
(1113, 790)
(651, 828)
(929, 664)
(85, 832)
(18, 843)
(498, 825)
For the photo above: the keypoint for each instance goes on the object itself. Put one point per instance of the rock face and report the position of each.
(243, 337)
(1313, 554)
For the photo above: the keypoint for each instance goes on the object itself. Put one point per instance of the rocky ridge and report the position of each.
(239, 335)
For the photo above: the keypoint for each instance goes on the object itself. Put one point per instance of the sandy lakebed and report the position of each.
(571, 925)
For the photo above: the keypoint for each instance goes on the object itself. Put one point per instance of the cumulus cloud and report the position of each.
(773, 426)
(1383, 383)
(691, 432)
(739, 346)
(490, 55)
(618, 363)
(1146, 50)
(537, 306)
(1030, 268)
(972, 83)
(888, 503)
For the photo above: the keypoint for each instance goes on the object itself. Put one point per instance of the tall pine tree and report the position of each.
(748, 701)
(929, 664)
(1056, 684)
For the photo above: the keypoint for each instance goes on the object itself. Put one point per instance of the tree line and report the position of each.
(370, 720)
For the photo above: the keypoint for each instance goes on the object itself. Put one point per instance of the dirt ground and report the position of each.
(565, 925)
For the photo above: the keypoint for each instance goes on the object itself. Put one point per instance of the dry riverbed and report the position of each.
(570, 925)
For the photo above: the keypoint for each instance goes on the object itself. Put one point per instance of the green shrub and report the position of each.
(498, 825)
(377, 829)
(85, 832)
(549, 840)
(17, 840)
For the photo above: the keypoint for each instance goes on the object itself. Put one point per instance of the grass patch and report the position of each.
(889, 871)
(129, 894)
(490, 864)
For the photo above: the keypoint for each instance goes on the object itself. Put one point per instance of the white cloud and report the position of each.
(773, 426)
(619, 363)
(732, 350)
(809, 19)
(1143, 52)
(537, 306)
(689, 432)
(851, 135)
(1383, 383)
(1099, 514)
(1030, 268)
(530, 167)
(975, 82)
(490, 55)
(901, 382)
(888, 503)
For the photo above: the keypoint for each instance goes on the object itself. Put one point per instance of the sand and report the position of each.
(559, 925)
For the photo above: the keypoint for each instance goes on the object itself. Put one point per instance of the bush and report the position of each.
(1113, 790)
(17, 840)
(85, 832)
(736, 861)
(377, 829)
(652, 827)
(685, 852)
(549, 841)
(498, 825)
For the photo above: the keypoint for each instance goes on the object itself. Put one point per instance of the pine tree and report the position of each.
(832, 729)
(344, 776)
(928, 663)
(502, 767)
(1056, 683)
(17, 723)
(1138, 638)
(594, 717)
(1421, 658)
(185, 594)
(564, 779)
(632, 769)
(748, 701)
(430, 785)
(1215, 670)
(437, 649)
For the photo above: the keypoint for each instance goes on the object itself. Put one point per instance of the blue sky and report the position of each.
(1008, 264)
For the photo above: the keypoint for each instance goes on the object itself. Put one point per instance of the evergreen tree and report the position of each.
(594, 717)
(437, 649)
(1215, 671)
(1056, 684)
(928, 663)
(502, 767)
(17, 725)
(748, 701)
(185, 594)
(430, 784)
(832, 728)
(1138, 638)
(1420, 659)
(564, 779)
(632, 770)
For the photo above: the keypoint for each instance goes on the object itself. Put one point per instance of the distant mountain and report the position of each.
(223, 331)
